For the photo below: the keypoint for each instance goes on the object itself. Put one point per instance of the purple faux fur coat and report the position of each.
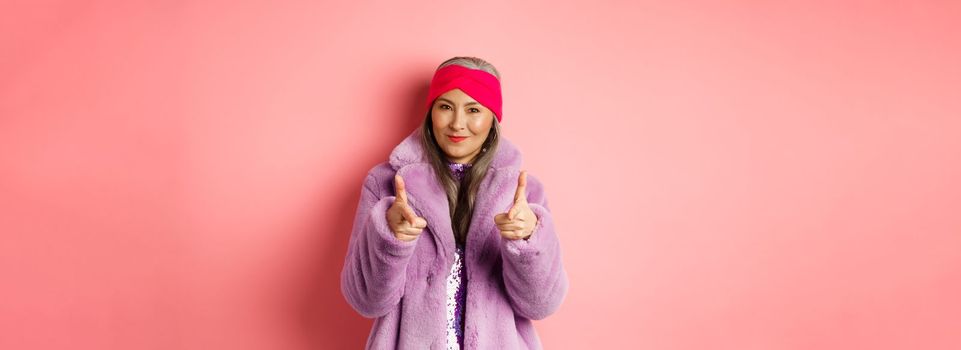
(403, 284)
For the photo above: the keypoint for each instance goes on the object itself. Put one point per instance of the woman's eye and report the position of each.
(475, 110)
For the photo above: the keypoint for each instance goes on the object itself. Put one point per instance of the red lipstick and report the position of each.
(456, 138)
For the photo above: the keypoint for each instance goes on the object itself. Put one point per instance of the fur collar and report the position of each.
(409, 151)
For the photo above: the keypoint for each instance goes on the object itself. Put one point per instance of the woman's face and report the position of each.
(457, 114)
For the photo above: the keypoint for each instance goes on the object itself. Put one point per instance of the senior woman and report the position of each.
(453, 245)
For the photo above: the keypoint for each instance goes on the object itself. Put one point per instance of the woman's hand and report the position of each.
(403, 222)
(520, 220)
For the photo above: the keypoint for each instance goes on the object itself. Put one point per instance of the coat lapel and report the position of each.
(494, 196)
(429, 200)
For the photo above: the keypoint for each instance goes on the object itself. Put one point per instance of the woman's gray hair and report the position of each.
(473, 63)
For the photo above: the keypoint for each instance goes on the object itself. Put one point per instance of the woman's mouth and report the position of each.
(456, 138)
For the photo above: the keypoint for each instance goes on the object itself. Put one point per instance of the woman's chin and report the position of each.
(454, 151)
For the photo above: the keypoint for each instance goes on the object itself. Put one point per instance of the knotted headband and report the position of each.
(481, 85)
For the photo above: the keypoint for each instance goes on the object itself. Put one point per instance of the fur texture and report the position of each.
(402, 284)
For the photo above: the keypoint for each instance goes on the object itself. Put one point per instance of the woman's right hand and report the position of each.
(405, 225)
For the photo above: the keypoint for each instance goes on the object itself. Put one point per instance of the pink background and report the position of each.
(724, 174)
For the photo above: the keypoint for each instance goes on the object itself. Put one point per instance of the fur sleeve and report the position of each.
(375, 269)
(533, 272)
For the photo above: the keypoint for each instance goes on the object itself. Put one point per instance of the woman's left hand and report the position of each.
(520, 220)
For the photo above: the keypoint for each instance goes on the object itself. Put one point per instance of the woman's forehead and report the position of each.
(457, 95)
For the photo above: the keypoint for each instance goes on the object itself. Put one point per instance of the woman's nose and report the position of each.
(459, 122)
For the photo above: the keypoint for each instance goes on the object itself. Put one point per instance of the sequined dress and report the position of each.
(456, 282)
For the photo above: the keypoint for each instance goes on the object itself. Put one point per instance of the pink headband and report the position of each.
(481, 85)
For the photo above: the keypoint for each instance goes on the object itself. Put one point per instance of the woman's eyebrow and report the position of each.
(452, 102)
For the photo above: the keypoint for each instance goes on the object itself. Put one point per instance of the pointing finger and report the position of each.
(420, 223)
(501, 219)
(400, 189)
(410, 215)
(521, 193)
